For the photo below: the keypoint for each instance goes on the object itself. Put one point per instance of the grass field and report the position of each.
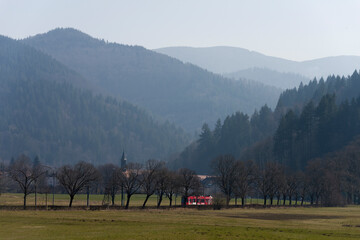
(175, 223)
(179, 223)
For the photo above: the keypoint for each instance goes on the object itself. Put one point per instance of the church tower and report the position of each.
(123, 161)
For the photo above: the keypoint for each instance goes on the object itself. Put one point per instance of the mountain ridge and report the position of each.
(43, 113)
(181, 93)
(228, 60)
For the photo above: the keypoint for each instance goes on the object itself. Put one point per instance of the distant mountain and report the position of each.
(43, 113)
(270, 77)
(181, 93)
(225, 59)
(230, 59)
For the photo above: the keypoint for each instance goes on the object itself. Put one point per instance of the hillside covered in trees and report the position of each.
(320, 118)
(181, 93)
(345, 88)
(44, 112)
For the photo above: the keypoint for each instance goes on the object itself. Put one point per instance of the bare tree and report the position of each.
(77, 177)
(268, 181)
(109, 181)
(303, 188)
(172, 186)
(149, 178)
(244, 178)
(315, 180)
(225, 171)
(130, 180)
(261, 183)
(188, 181)
(22, 171)
(282, 189)
(162, 181)
(274, 179)
(292, 186)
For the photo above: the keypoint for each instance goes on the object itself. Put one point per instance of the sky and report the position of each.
(291, 29)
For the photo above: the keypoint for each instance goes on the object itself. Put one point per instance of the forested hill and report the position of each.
(20, 61)
(317, 130)
(42, 113)
(181, 93)
(345, 88)
(232, 136)
(328, 119)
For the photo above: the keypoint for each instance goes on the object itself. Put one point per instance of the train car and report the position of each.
(199, 200)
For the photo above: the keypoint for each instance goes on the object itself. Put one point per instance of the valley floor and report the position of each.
(180, 223)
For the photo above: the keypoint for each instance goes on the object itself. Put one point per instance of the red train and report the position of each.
(199, 200)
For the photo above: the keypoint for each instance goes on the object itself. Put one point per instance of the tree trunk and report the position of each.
(271, 201)
(113, 198)
(146, 199)
(35, 196)
(170, 199)
(87, 196)
(228, 200)
(122, 196)
(290, 200)
(160, 200)
(302, 201)
(284, 198)
(127, 201)
(71, 200)
(264, 200)
(235, 201)
(25, 194)
(278, 200)
(46, 200)
(243, 201)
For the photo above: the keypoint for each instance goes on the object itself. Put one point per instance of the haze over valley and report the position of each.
(149, 93)
(179, 119)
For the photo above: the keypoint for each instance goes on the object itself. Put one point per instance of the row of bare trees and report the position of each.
(325, 181)
(151, 178)
(332, 180)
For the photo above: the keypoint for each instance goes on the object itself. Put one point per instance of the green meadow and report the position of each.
(178, 223)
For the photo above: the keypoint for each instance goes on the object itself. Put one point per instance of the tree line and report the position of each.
(30, 176)
(333, 180)
(345, 88)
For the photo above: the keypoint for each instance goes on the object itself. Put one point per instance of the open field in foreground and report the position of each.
(179, 223)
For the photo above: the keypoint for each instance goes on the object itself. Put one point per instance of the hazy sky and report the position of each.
(297, 30)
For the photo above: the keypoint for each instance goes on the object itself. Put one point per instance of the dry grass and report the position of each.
(273, 223)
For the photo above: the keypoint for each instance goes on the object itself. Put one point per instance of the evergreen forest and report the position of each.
(44, 112)
(309, 122)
